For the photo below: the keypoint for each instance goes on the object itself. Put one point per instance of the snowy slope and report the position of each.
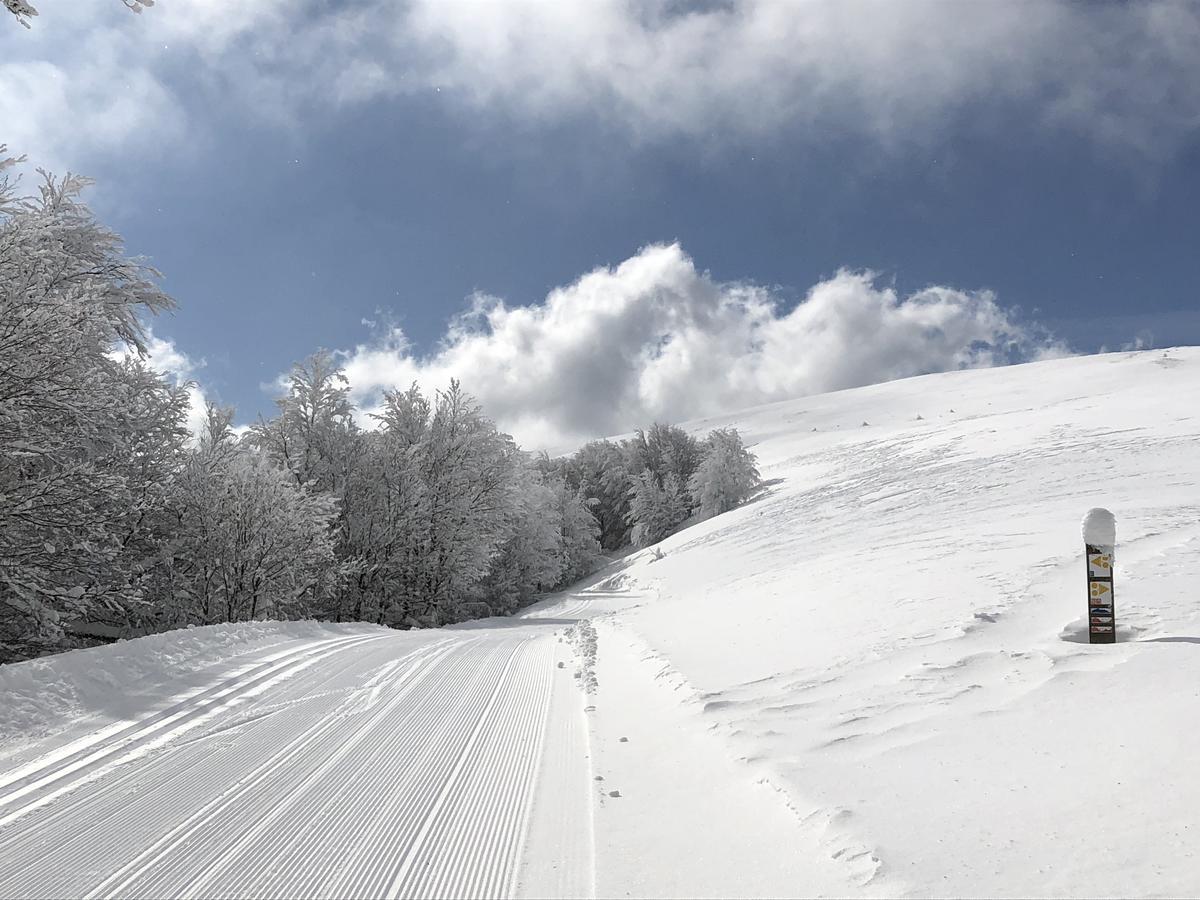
(869, 681)
(84, 688)
(365, 763)
(891, 637)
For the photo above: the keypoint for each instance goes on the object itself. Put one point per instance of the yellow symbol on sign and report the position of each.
(1097, 589)
(1101, 563)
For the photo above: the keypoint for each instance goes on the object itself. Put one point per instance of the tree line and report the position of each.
(116, 520)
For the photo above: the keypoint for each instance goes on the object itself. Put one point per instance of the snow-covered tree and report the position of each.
(552, 541)
(23, 10)
(440, 516)
(655, 508)
(529, 559)
(727, 474)
(467, 467)
(312, 435)
(383, 509)
(251, 543)
(664, 450)
(149, 458)
(109, 519)
(87, 440)
(580, 534)
(659, 462)
(599, 472)
(426, 508)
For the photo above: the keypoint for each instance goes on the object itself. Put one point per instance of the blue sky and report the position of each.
(355, 176)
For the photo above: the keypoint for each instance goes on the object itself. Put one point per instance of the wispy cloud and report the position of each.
(656, 339)
(92, 79)
(1124, 74)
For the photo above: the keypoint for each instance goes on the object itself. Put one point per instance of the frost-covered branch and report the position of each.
(24, 11)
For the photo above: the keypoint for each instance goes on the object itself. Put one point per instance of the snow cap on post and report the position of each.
(1100, 528)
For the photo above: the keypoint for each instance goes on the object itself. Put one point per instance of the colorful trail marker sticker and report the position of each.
(1099, 542)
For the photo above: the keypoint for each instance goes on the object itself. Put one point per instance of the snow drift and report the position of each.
(45, 696)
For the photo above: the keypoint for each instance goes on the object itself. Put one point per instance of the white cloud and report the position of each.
(97, 98)
(656, 339)
(92, 80)
(163, 356)
(1127, 74)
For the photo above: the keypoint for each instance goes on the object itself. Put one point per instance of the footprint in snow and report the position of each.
(614, 793)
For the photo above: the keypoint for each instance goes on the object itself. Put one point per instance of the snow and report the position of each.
(362, 763)
(1100, 528)
(676, 816)
(894, 634)
(46, 696)
(871, 680)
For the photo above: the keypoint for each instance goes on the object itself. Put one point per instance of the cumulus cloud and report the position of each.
(92, 78)
(656, 339)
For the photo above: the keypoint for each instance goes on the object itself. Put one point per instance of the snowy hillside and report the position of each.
(892, 636)
(872, 680)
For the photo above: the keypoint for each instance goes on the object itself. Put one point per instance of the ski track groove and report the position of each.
(181, 833)
(539, 727)
(459, 831)
(416, 734)
(398, 817)
(365, 766)
(347, 743)
(92, 758)
(208, 833)
(523, 764)
(62, 756)
(514, 788)
(445, 836)
(399, 881)
(87, 844)
(248, 888)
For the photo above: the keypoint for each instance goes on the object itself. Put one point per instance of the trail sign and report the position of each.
(1099, 544)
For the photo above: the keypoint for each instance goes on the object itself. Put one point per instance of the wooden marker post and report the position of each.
(1099, 544)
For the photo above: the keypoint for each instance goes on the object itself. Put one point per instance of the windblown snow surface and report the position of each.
(872, 680)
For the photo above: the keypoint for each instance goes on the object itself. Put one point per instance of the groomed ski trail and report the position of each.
(398, 764)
